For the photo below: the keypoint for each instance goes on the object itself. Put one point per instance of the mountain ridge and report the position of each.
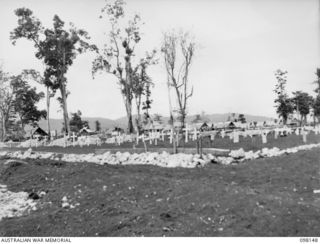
(106, 123)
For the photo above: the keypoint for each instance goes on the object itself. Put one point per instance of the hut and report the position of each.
(38, 133)
(85, 132)
(154, 126)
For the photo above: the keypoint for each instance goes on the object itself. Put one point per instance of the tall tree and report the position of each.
(179, 48)
(302, 103)
(316, 105)
(18, 100)
(6, 102)
(147, 104)
(116, 58)
(57, 47)
(141, 83)
(283, 102)
(242, 118)
(98, 125)
(34, 75)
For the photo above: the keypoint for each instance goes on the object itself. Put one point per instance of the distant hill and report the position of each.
(56, 124)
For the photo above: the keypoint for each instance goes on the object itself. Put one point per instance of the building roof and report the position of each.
(39, 131)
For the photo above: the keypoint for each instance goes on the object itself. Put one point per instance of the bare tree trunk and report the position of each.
(138, 121)
(129, 115)
(129, 94)
(172, 119)
(138, 107)
(64, 96)
(3, 128)
(48, 112)
(65, 109)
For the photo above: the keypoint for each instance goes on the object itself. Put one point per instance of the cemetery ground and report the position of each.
(262, 197)
(247, 143)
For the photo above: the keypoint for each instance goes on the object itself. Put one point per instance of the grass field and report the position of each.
(264, 197)
(247, 144)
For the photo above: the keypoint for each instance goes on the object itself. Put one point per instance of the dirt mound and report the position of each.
(11, 167)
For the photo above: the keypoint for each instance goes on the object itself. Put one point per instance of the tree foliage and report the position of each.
(302, 102)
(6, 102)
(242, 118)
(98, 125)
(18, 102)
(76, 122)
(25, 101)
(316, 104)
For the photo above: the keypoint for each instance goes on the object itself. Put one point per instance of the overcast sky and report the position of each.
(241, 44)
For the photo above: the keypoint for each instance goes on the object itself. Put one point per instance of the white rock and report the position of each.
(237, 154)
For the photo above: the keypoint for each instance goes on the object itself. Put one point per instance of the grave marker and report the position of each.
(235, 137)
(264, 138)
(73, 139)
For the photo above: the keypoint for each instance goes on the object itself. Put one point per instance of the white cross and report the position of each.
(264, 138)
(235, 137)
(304, 136)
(194, 134)
(212, 137)
(73, 139)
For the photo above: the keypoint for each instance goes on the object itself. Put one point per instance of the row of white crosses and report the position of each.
(81, 140)
(235, 135)
(192, 133)
(154, 136)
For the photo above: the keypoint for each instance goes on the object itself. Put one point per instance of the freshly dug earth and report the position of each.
(264, 197)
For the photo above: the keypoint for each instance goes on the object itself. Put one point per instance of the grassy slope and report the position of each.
(265, 197)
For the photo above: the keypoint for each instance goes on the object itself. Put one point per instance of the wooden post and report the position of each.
(65, 140)
(197, 145)
(186, 134)
(200, 146)
(171, 136)
(73, 139)
(304, 136)
(195, 135)
(177, 138)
